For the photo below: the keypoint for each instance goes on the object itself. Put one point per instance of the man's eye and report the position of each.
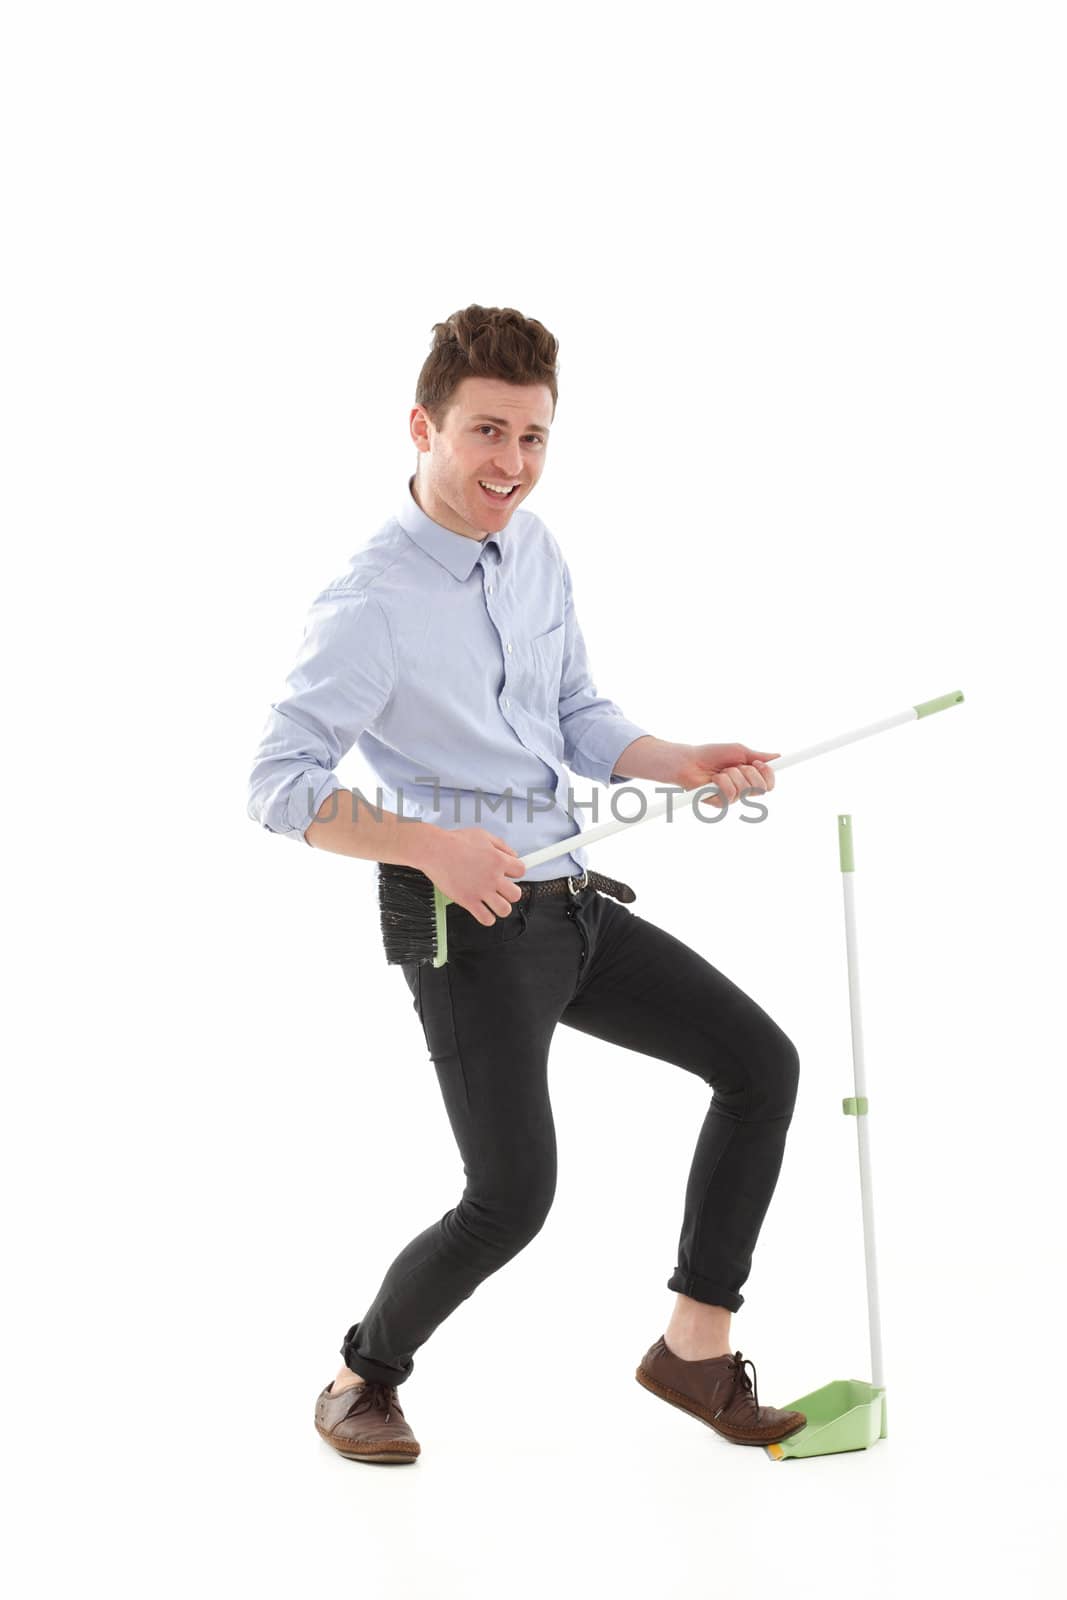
(488, 426)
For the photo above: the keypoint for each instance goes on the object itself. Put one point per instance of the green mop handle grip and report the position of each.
(844, 843)
(942, 703)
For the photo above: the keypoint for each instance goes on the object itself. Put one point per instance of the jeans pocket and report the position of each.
(433, 986)
(469, 937)
(412, 971)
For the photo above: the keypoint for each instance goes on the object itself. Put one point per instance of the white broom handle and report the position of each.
(859, 1074)
(602, 830)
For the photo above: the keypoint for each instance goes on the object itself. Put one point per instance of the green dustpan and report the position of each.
(848, 1414)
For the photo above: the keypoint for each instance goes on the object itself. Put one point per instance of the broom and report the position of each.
(412, 907)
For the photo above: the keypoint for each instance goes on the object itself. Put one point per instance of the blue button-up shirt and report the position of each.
(458, 668)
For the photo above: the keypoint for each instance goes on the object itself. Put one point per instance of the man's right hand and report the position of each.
(474, 868)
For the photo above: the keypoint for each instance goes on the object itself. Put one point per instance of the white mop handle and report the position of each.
(859, 1077)
(602, 830)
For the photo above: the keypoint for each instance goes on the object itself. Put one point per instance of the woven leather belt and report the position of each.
(591, 880)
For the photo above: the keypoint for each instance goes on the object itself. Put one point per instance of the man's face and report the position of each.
(493, 432)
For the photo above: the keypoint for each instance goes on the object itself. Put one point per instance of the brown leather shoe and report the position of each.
(365, 1423)
(719, 1392)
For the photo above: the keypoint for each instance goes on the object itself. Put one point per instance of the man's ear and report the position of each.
(419, 427)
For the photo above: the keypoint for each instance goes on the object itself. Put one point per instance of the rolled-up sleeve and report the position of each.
(595, 731)
(339, 686)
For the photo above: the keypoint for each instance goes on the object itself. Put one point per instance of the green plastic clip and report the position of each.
(942, 703)
(855, 1105)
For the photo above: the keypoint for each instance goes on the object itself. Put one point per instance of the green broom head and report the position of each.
(412, 911)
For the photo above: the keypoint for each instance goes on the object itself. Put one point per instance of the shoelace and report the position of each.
(742, 1383)
(374, 1394)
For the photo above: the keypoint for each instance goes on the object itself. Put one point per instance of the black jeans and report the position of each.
(488, 1016)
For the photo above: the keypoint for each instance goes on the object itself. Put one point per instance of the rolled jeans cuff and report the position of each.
(702, 1289)
(371, 1371)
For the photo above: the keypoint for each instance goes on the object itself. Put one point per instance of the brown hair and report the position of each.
(485, 342)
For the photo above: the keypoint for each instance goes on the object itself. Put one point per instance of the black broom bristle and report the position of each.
(408, 914)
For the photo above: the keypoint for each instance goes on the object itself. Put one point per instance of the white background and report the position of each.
(806, 265)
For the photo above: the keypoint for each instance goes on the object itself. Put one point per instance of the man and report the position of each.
(451, 651)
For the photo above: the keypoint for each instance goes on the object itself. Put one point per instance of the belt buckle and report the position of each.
(581, 886)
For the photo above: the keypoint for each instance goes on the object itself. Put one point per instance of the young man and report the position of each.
(450, 650)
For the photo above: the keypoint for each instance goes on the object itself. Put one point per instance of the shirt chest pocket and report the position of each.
(547, 666)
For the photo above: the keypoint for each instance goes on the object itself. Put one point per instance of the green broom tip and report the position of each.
(942, 703)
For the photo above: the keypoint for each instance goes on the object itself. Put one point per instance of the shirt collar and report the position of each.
(454, 551)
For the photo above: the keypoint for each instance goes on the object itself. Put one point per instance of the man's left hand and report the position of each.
(734, 767)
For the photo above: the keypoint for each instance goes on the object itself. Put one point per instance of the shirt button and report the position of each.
(507, 702)
(489, 588)
(509, 649)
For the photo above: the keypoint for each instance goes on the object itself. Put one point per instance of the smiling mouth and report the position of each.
(494, 494)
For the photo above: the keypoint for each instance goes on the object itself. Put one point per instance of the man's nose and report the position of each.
(511, 461)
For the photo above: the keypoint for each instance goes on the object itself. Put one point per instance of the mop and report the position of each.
(412, 907)
(848, 1414)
